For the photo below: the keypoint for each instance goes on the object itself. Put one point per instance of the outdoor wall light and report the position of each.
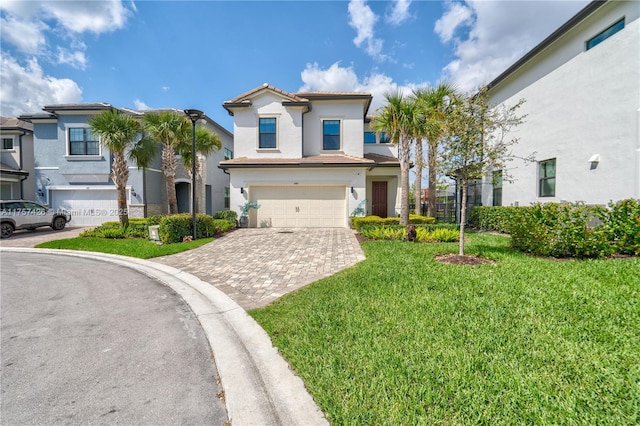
(352, 190)
(40, 193)
(594, 160)
(133, 192)
(241, 190)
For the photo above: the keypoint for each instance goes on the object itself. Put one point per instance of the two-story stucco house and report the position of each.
(16, 159)
(582, 92)
(73, 169)
(309, 159)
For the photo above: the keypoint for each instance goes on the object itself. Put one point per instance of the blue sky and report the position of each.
(197, 54)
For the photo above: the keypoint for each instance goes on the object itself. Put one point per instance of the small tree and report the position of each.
(399, 119)
(478, 141)
(117, 132)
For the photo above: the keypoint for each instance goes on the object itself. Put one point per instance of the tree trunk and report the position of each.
(463, 216)
(404, 181)
(120, 175)
(169, 170)
(419, 168)
(431, 206)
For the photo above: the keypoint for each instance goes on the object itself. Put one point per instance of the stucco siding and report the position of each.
(585, 106)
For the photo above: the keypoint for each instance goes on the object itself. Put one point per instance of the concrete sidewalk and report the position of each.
(259, 387)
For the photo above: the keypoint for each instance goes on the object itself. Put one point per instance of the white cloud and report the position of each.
(27, 30)
(344, 79)
(28, 89)
(363, 20)
(26, 36)
(165, 88)
(76, 59)
(141, 106)
(456, 15)
(499, 33)
(399, 12)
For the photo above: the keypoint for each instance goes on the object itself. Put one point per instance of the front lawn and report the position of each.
(403, 339)
(133, 247)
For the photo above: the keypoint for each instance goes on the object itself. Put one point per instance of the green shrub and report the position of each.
(230, 215)
(559, 230)
(621, 223)
(358, 222)
(445, 232)
(175, 227)
(493, 218)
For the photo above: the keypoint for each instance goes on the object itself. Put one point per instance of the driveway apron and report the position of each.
(258, 265)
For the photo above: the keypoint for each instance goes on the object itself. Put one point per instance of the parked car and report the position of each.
(20, 214)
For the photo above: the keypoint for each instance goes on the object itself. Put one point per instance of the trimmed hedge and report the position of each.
(433, 233)
(230, 215)
(175, 227)
(567, 229)
(358, 222)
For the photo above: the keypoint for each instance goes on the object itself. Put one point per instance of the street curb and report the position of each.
(259, 386)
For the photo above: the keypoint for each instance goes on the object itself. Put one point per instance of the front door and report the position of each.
(379, 199)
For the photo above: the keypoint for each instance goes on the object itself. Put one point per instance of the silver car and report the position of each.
(20, 214)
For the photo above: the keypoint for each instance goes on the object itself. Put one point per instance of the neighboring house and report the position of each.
(309, 159)
(73, 170)
(16, 160)
(582, 92)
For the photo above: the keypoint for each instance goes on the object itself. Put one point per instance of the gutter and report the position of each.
(565, 28)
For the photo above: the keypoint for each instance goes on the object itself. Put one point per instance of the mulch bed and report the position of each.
(456, 259)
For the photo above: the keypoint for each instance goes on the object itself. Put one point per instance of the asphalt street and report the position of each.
(88, 342)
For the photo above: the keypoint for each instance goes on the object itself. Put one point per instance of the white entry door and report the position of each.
(299, 206)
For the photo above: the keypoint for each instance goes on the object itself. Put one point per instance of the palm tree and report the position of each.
(434, 102)
(117, 132)
(206, 143)
(399, 119)
(170, 129)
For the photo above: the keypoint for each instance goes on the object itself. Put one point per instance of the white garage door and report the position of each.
(88, 207)
(299, 207)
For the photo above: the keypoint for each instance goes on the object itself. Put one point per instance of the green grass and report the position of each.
(402, 339)
(132, 247)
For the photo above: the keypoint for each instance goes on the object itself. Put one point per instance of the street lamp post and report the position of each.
(194, 115)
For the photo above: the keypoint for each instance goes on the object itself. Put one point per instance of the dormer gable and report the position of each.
(246, 99)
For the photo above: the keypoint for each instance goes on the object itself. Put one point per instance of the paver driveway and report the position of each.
(256, 266)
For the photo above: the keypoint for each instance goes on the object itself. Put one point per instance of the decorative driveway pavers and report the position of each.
(256, 266)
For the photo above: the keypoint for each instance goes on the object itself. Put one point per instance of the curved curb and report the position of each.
(259, 386)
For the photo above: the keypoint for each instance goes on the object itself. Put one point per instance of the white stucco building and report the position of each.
(582, 92)
(309, 159)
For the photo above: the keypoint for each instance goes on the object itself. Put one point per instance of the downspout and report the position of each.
(20, 166)
(302, 136)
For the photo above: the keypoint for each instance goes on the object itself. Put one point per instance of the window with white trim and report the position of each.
(267, 138)
(547, 176)
(331, 135)
(497, 188)
(82, 141)
(7, 143)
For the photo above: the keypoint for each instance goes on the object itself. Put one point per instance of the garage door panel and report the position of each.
(294, 207)
(88, 207)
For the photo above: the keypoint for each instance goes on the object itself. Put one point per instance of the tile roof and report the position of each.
(11, 123)
(266, 86)
(336, 160)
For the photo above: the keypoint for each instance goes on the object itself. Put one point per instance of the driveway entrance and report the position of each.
(256, 266)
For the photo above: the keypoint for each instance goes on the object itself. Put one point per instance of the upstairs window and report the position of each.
(82, 141)
(384, 138)
(497, 188)
(369, 137)
(228, 154)
(267, 137)
(547, 173)
(592, 42)
(331, 135)
(7, 143)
